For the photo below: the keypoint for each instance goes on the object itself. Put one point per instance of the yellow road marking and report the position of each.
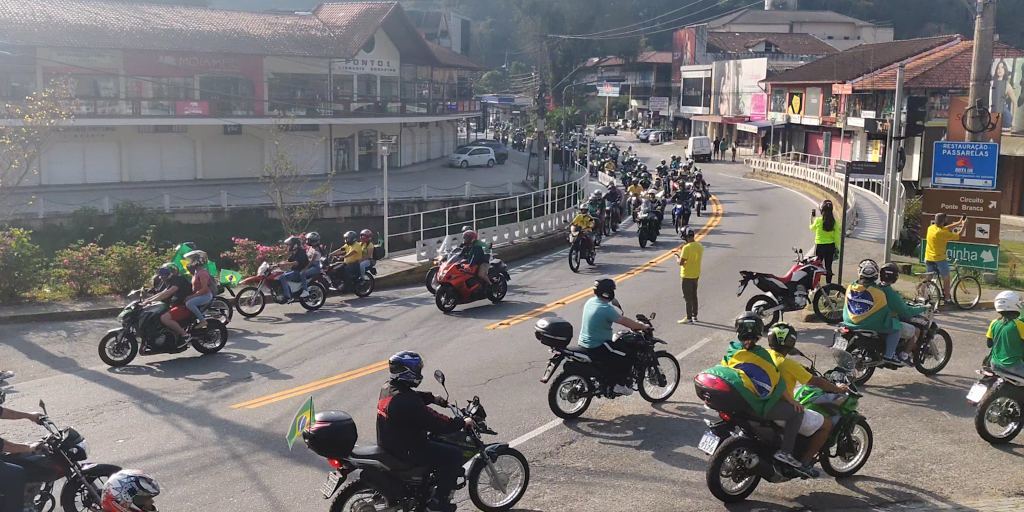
(312, 386)
(713, 221)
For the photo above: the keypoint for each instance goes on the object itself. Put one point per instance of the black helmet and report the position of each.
(662, 162)
(312, 238)
(782, 338)
(350, 237)
(889, 273)
(406, 367)
(292, 241)
(749, 326)
(686, 233)
(605, 288)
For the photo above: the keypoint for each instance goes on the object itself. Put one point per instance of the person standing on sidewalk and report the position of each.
(734, 152)
(716, 149)
(936, 239)
(826, 236)
(689, 271)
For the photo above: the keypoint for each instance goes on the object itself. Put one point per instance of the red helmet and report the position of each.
(129, 490)
(365, 235)
(469, 236)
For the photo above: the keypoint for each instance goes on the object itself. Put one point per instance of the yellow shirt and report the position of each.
(367, 250)
(692, 255)
(635, 190)
(822, 237)
(353, 253)
(792, 372)
(584, 222)
(938, 238)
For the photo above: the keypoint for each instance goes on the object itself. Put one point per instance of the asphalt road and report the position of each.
(212, 428)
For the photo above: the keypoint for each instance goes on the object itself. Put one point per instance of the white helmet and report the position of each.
(1007, 301)
(130, 490)
(868, 269)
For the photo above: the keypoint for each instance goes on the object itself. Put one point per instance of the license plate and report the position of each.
(976, 393)
(841, 344)
(547, 372)
(709, 443)
(331, 485)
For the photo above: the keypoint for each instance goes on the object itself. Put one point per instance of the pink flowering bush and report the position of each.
(20, 263)
(80, 268)
(248, 254)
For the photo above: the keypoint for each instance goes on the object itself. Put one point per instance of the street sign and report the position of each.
(864, 168)
(972, 203)
(984, 257)
(965, 164)
(978, 230)
(608, 90)
(658, 104)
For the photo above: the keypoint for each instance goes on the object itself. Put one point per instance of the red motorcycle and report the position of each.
(457, 283)
(251, 300)
(789, 292)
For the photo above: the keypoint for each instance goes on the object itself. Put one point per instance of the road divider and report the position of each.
(312, 386)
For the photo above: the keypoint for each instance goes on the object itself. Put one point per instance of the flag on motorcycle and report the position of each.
(753, 374)
(864, 301)
(303, 420)
(230, 277)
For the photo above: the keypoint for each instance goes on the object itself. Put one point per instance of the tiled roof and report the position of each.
(449, 58)
(942, 68)
(761, 16)
(791, 44)
(861, 60)
(642, 58)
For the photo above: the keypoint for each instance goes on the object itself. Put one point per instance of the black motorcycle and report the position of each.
(333, 277)
(581, 246)
(62, 456)
(497, 478)
(999, 397)
(613, 217)
(648, 226)
(142, 333)
(654, 373)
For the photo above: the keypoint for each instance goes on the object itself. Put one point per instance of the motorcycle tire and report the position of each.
(498, 290)
(203, 341)
(431, 280)
(250, 301)
(574, 258)
(828, 303)
(641, 235)
(133, 351)
(479, 468)
(672, 381)
(220, 309)
(1006, 400)
(75, 498)
(446, 298)
(316, 298)
(714, 476)
(862, 357)
(592, 257)
(759, 303)
(357, 491)
(584, 402)
(365, 286)
(941, 336)
(678, 223)
(826, 461)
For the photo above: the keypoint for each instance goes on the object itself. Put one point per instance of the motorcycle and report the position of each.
(633, 203)
(741, 445)
(219, 308)
(4, 385)
(333, 277)
(430, 281)
(581, 245)
(680, 216)
(613, 216)
(699, 202)
(142, 333)
(999, 398)
(654, 373)
(647, 226)
(251, 299)
(789, 292)
(63, 457)
(497, 478)
(457, 283)
(930, 353)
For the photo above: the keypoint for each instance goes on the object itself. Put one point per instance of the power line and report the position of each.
(616, 29)
(644, 32)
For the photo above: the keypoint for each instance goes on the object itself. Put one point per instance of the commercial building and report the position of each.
(637, 80)
(784, 16)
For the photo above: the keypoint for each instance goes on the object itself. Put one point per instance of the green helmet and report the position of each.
(782, 337)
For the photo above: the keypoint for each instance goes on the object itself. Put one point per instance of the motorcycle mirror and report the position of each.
(439, 377)
(42, 405)
(653, 315)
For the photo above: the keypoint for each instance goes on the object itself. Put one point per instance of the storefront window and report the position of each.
(343, 153)
(227, 95)
(367, 87)
(812, 107)
(367, 150)
(160, 88)
(89, 86)
(829, 103)
(778, 100)
(389, 88)
(296, 94)
(343, 87)
(16, 82)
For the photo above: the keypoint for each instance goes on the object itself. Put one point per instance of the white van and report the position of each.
(699, 149)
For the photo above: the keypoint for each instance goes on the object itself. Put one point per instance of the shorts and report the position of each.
(939, 267)
(811, 423)
(180, 313)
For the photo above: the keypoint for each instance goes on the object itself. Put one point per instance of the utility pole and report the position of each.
(892, 161)
(981, 63)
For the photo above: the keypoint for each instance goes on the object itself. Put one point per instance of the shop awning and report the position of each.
(707, 118)
(756, 126)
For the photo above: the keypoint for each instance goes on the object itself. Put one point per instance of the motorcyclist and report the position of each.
(699, 185)
(351, 253)
(869, 307)
(781, 344)
(662, 168)
(203, 287)
(599, 314)
(368, 248)
(595, 206)
(657, 208)
(476, 252)
(172, 290)
(613, 196)
(12, 476)
(682, 198)
(129, 490)
(585, 224)
(297, 262)
(634, 189)
(404, 419)
(1005, 335)
(315, 253)
(906, 315)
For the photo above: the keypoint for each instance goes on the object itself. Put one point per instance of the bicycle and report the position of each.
(966, 289)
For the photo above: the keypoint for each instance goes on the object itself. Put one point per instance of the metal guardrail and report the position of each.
(831, 181)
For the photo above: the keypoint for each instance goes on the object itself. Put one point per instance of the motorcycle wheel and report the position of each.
(316, 298)
(74, 497)
(726, 481)
(446, 298)
(852, 451)
(1002, 411)
(660, 379)
(678, 223)
(616, 221)
(828, 303)
(498, 290)
(220, 309)
(760, 303)
(358, 497)
(592, 257)
(863, 372)
(572, 390)
(511, 466)
(574, 258)
(123, 355)
(250, 301)
(938, 349)
(431, 280)
(365, 285)
(211, 339)
(641, 235)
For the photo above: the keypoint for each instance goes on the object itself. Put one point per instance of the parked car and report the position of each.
(500, 150)
(467, 156)
(656, 136)
(644, 134)
(606, 130)
(699, 149)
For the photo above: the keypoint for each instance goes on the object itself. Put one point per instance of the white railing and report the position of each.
(498, 221)
(828, 180)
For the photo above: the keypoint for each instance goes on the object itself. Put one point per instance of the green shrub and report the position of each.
(129, 266)
(79, 268)
(20, 263)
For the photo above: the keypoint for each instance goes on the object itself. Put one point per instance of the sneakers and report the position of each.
(619, 389)
(686, 320)
(304, 294)
(895, 362)
(808, 469)
(787, 458)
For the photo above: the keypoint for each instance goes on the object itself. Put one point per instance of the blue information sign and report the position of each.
(965, 164)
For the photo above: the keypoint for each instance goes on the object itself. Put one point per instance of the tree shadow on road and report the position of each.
(223, 368)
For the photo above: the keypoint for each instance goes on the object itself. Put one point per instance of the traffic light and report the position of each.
(917, 110)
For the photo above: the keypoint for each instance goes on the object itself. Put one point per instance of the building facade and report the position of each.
(838, 30)
(649, 75)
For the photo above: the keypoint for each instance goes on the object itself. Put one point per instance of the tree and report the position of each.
(33, 124)
(297, 199)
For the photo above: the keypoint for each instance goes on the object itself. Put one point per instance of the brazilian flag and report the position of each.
(753, 374)
(303, 420)
(224, 276)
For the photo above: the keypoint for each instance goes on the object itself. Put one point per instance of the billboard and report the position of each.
(1006, 98)
(735, 82)
(689, 47)
(606, 89)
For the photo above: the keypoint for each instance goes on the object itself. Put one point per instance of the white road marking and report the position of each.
(693, 348)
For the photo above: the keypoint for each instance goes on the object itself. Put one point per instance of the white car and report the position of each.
(472, 156)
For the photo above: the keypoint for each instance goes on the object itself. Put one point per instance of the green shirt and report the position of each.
(598, 317)
(822, 237)
(1007, 341)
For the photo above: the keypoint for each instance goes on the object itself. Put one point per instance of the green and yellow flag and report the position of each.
(303, 420)
(753, 374)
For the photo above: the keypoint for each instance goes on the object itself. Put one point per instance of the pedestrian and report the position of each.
(734, 152)
(826, 236)
(717, 148)
(936, 239)
(689, 259)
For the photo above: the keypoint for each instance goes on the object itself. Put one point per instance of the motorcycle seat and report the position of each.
(863, 333)
(375, 453)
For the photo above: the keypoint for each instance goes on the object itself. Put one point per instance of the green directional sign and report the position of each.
(980, 256)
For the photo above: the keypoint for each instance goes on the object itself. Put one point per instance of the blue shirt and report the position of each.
(598, 317)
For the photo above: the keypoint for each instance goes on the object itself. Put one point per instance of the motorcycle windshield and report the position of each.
(843, 359)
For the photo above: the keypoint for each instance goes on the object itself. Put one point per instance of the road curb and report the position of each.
(60, 316)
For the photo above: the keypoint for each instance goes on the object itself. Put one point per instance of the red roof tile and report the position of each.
(642, 58)
(861, 60)
(942, 68)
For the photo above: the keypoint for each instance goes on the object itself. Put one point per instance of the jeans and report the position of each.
(690, 296)
(294, 276)
(364, 265)
(194, 303)
(613, 360)
(310, 272)
(447, 460)
(939, 267)
(892, 339)
(1017, 369)
(12, 484)
(785, 412)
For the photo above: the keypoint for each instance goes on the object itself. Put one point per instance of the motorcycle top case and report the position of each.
(719, 394)
(554, 332)
(333, 435)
